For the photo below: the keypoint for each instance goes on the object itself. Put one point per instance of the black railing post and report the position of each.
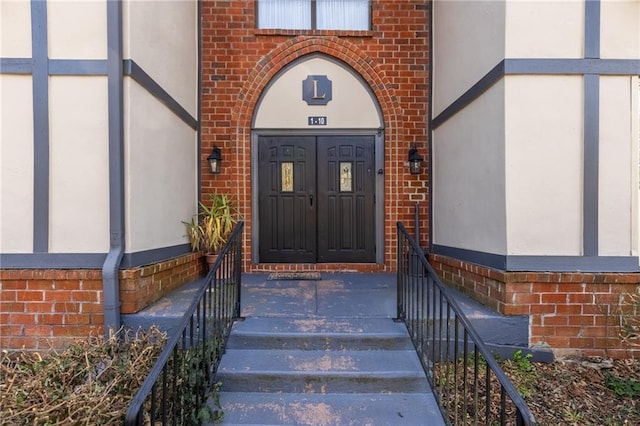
(416, 224)
(238, 270)
(400, 279)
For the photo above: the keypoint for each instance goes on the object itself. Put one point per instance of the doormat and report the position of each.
(297, 276)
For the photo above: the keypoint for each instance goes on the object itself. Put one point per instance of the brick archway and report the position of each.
(269, 66)
(298, 47)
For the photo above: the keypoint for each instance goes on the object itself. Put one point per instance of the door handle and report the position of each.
(310, 200)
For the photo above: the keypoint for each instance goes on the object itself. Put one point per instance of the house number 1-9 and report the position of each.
(317, 121)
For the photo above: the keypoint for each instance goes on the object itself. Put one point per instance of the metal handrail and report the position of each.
(462, 372)
(178, 384)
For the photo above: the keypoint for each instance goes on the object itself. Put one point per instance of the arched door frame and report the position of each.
(377, 133)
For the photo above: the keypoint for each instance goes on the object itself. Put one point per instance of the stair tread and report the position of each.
(316, 371)
(329, 326)
(329, 409)
(319, 334)
(318, 361)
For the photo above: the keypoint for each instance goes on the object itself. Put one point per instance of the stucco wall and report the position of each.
(619, 132)
(16, 135)
(541, 123)
(161, 172)
(351, 106)
(469, 40)
(77, 30)
(543, 128)
(544, 29)
(78, 133)
(468, 149)
(620, 31)
(162, 37)
(469, 177)
(15, 29)
(77, 139)
(618, 167)
(16, 164)
(161, 158)
(79, 172)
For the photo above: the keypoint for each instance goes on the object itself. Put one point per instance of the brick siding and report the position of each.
(239, 61)
(574, 313)
(40, 309)
(142, 286)
(48, 308)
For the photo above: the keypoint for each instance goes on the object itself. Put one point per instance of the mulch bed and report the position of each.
(582, 391)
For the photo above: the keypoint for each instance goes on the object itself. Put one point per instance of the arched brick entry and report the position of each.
(239, 61)
(295, 48)
(346, 52)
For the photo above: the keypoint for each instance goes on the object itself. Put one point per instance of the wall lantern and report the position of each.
(415, 161)
(215, 158)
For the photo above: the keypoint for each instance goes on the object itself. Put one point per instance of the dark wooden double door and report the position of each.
(316, 199)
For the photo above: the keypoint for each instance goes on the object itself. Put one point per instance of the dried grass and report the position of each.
(91, 382)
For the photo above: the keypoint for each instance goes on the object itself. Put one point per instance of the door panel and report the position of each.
(346, 203)
(316, 199)
(287, 174)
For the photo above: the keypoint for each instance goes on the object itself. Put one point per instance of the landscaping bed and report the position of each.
(92, 382)
(591, 391)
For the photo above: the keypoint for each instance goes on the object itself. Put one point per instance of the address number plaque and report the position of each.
(316, 120)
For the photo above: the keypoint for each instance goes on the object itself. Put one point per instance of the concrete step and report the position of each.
(314, 371)
(305, 356)
(167, 312)
(367, 296)
(502, 334)
(251, 408)
(319, 334)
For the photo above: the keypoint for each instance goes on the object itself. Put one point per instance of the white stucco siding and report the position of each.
(618, 165)
(162, 38)
(620, 29)
(352, 105)
(544, 165)
(77, 29)
(16, 164)
(544, 29)
(469, 177)
(79, 174)
(15, 29)
(161, 173)
(469, 40)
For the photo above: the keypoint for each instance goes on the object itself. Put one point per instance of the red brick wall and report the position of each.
(140, 287)
(48, 308)
(239, 60)
(40, 309)
(571, 312)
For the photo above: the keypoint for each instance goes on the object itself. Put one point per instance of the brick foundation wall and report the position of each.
(48, 308)
(238, 62)
(142, 286)
(574, 313)
(41, 309)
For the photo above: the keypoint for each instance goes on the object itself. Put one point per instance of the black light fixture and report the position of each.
(215, 158)
(415, 161)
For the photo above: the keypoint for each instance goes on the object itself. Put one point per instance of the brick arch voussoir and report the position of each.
(295, 48)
